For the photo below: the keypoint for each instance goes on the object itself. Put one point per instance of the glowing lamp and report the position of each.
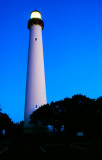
(35, 14)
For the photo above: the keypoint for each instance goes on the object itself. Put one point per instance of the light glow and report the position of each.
(35, 14)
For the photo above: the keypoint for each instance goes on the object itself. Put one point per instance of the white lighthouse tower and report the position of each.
(35, 87)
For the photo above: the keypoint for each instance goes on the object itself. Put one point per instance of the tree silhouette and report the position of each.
(5, 122)
(79, 113)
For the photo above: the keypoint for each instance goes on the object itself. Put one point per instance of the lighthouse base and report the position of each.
(37, 129)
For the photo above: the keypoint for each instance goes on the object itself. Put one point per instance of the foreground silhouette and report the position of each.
(77, 114)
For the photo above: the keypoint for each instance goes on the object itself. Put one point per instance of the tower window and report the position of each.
(35, 39)
(36, 106)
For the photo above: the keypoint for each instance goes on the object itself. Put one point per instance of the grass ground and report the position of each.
(28, 145)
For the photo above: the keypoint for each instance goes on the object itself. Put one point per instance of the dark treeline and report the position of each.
(7, 125)
(77, 114)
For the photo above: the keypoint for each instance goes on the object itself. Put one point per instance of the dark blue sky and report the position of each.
(72, 43)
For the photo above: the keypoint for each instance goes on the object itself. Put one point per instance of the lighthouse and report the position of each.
(35, 84)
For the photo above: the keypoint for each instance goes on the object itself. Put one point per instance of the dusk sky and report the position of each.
(72, 45)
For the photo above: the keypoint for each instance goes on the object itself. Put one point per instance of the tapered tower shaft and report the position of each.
(35, 85)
